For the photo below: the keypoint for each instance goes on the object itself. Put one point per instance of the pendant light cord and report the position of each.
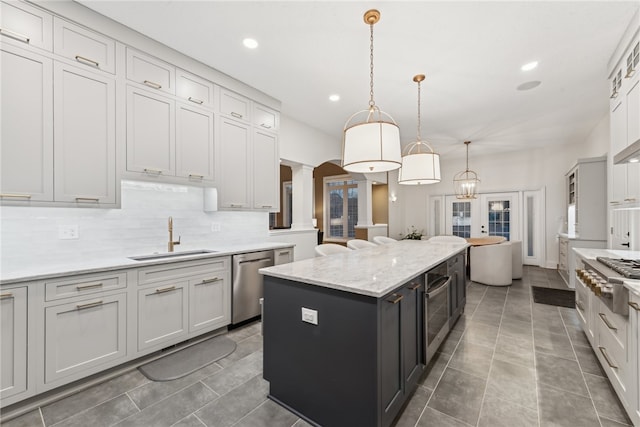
(372, 103)
(419, 119)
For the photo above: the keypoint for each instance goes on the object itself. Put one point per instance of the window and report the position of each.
(499, 218)
(342, 208)
(461, 219)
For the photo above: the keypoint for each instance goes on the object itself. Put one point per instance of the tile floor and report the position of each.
(507, 362)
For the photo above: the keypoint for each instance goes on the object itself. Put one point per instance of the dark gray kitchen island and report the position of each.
(344, 335)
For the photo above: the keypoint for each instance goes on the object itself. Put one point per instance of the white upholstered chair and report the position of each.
(491, 264)
(359, 244)
(383, 240)
(330, 248)
(448, 239)
(516, 259)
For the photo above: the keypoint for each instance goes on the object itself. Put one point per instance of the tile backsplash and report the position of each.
(139, 227)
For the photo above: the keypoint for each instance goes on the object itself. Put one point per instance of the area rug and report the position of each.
(188, 360)
(551, 296)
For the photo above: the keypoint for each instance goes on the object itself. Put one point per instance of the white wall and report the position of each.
(519, 170)
(302, 144)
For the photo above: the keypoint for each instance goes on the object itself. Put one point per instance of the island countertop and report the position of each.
(374, 271)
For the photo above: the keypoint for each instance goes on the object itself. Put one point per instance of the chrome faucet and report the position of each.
(171, 242)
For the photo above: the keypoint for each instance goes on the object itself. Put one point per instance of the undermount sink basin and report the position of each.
(171, 255)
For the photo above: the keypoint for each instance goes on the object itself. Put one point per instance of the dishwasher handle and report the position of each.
(254, 260)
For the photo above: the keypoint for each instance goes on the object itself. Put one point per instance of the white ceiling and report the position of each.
(471, 53)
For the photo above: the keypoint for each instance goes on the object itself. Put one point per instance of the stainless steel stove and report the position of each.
(629, 268)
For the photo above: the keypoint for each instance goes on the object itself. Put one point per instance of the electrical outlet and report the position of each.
(68, 232)
(215, 227)
(309, 316)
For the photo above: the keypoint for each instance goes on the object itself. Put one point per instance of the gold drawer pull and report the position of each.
(153, 84)
(7, 295)
(89, 286)
(196, 100)
(156, 171)
(634, 305)
(89, 305)
(14, 35)
(630, 199)
(236, 115)
(87, 199)
(414, 286)
(396, 299)
(195, 176)
(167, 289)
(266, 126)
(606, 322)
(235, 205)
(17, 196)
(214, 279)
(87, 61)
(284, 253)
(267, 206)
(606, 357)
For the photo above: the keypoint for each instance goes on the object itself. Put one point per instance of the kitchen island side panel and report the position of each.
(325, 372)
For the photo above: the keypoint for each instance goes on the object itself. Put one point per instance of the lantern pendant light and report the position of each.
(371, 138)
(420, 164)
(466, 182)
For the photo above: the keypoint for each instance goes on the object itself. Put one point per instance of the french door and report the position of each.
(495, 214)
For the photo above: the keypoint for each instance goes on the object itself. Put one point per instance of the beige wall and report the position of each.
(285, 175)
(325, 169)
(380, 202)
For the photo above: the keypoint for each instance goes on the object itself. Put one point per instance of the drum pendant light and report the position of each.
(420, 164)
(466, 182)
(371, 138)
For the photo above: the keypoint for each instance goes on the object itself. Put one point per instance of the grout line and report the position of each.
(251, 412)
(41, 416)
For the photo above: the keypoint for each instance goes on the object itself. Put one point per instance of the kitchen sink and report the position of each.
(170, 255)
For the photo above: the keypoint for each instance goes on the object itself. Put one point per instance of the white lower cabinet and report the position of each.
(634, 357)
(282, 256)
(85, 336)
(13, 342)
(209, 302)
(162, 314)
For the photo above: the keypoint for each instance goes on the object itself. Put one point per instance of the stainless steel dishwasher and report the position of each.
(247, 284)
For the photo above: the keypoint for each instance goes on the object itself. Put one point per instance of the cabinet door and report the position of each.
(235, 177)
(162, 315)
(150, 133)
(85, 142)
(194, 143)
(266, 171)
(210, 302)
(26, 151)
(84, 46)
(25, 25)
(633, 135)
(282, 256)
(634, 356)
(83, 335)
(234, 105)
(412, 332)
(13, 342)
(618, 142)
(266, 118)
(194, 89)
(391, 374)
(150, 71)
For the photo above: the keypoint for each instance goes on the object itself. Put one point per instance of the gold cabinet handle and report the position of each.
(266, 126)
(236, 115)
(213, 279)
(89, 286)
(196, 100)
(87, 61)
(152, 84)
(579, 305)
(195, 176)
(14, 35)
(167, 289)
(16, 196)
(7, 295)
(156, 171)
(235, 206)
(630, 199)
(89, 305)
(267, 206)
(284, 253)
(87, 199)
(606, 322)
(634, 305)
(414, 286)
(606, 357)
(395, 298)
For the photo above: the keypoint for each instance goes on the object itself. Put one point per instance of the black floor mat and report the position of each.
(551, 296)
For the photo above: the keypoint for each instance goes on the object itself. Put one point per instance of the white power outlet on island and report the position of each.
(310, 316)
(68, 232)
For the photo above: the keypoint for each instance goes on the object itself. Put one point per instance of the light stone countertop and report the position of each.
(588, 253)
(374, 271)
(87, 264)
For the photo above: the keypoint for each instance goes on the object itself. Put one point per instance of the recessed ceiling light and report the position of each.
(634, 160)
(334, 97)
(250, 43)
(529, 85)
(530, 66)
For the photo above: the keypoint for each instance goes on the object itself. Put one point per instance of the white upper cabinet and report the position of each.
(84, 46)
(266, 171)
(235, 181)
(194, 143)
(150, 71)
(85, 143)
(25, 25)
(194, 89)
(150, 133)
(266, 118)
(234, 105)
(26, 152)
